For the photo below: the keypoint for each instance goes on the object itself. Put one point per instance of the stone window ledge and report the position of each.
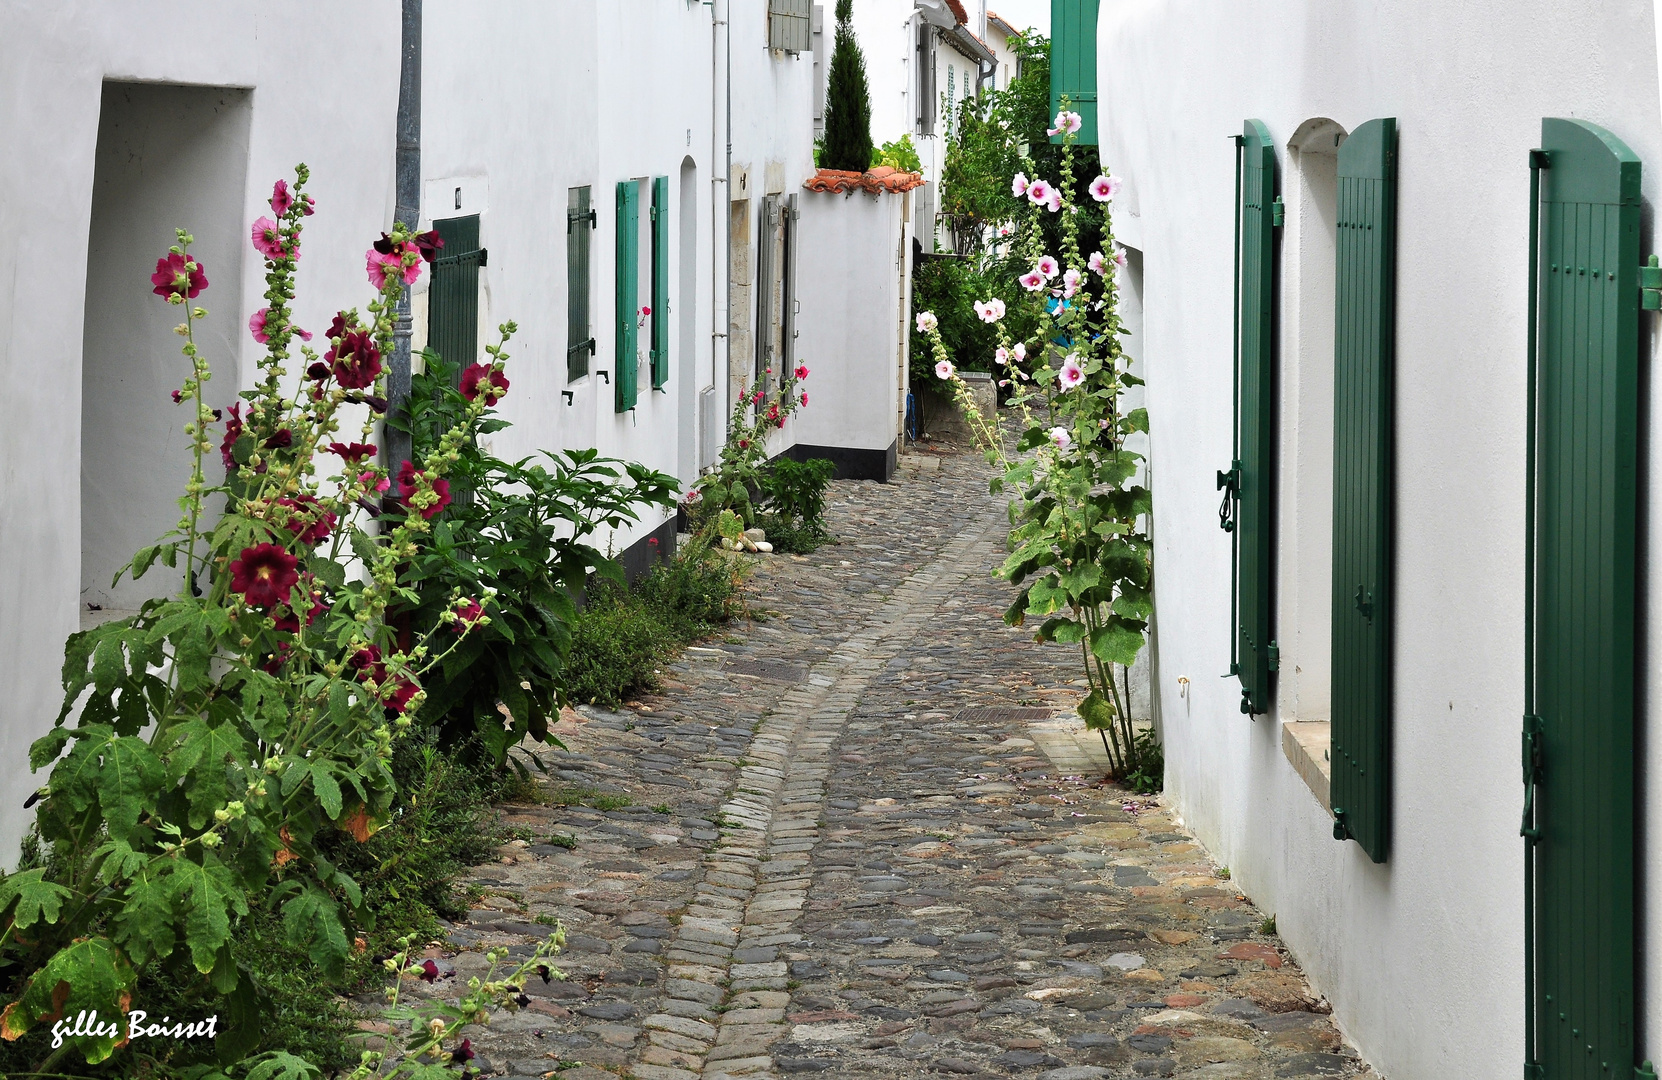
(1306, 742)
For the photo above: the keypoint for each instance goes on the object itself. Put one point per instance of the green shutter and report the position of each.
(1249, 499)
(1363, 351)
(660, 282)
(453, 307)
(1585, 432)
(1073, 63)
(579, 336)
(624, 375)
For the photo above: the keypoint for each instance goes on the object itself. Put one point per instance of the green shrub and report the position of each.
(796, 489)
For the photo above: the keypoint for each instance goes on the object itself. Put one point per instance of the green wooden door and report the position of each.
(1251, 479)
(453, 307)
(660, 282)
(1073, 63)
(1585, 437)
(1363, 351)
(628, 300)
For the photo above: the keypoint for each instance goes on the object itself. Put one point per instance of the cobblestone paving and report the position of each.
(832, 845)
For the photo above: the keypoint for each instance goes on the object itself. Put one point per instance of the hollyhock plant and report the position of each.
(269, 239)
(926, 322)
(178, 277)
(264, 574)
(1076, 456)
(944, 369)
(1070, 123)
(485, 379)
(427, 495)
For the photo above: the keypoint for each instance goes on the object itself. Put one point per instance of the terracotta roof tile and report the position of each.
(877, 181)
(958, 11)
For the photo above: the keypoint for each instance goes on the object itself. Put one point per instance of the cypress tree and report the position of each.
(847, 100)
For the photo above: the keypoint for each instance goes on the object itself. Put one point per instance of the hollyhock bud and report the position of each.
(178, 278)
(804, 397)
(484, 378)
(264, 574)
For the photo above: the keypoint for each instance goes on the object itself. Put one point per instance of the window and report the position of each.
(951, 98)
(925, 65)
(580, 220)
(790, 25)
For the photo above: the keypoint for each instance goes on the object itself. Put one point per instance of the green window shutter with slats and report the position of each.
(1363, 351)
(660, 282)
(1585, 392)
(1249, 498)
(579, 335)
(624, 377)
(1073, 63)
(453, 306)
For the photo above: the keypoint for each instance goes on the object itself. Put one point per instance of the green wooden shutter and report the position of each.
(1249, 500)
(660, 282)
(453, 307)
(1073, 63)
(624, 377)
(1585, 434)
(579, 335)
(1363, 351)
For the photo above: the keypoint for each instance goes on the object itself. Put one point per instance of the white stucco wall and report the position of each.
(1422, 957)
(326, 99)
(853, 340)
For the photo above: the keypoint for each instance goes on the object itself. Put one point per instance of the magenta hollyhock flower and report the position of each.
(355, 360)
(468, 612)
(264, 574)
(1037, 192)
(802, 371)
(1060, 438)
(1032, 281)
(927, 322)
(408, 485)
(1006, 229)
(943, 370)
(804, 397)
(1104, 188)
(281, 200)
(256, 325)
(486, 379)
(1072, 372)
(233, 432)
(180, 276)
(377, 266)
(268, 239)
(178, 396)
(1048, 266)
(369, 479)
(352, 453)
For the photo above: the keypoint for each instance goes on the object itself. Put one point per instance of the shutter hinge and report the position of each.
(1532, 770)
(1364, 602)
(1534, 1071)
(1275, 657)
(1278, 213)
(1647, 1071)
(1230, 484)
(1341, 824)
(1650, 286)
(484, 256)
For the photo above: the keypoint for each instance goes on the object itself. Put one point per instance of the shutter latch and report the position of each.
(1275, 657)
(1650, 286)
(1532, 769)
(1341, 824)
(1230, 484)
(1647, 1071)
(1364, 602)
(1278, 213)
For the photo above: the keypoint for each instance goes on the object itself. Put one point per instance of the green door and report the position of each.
(453, 308)
(625, 378)
(1249, 500)
(1585, 431)
(1364, 321)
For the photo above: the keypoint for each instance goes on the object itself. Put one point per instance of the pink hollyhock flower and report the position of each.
(484, 378)
(1119, 255)
(802, 371)
(1006, 229)
(1019, 185)
(1096, 262)
(378, 266)
(1070, 283)
(356, 361)
(926, 322)
(268, 239)
(256, 324)
(756, 398)
(943, 370)
(804, 397)
(1104, 188)
(1048, 266)
(692, 497)
(468, 612)
(1060, 438)
(408, 485)
(990, 310)
(1071, 374)
(370, 479)
(1038, 192)
(264, 574)
(352, 453)
(1067, 122)
(1053, 201)
(1020, 351)
(178, 276)
(1032, 281)
(646, 310)
(233, 432)
(281, 200)
(1002, 355)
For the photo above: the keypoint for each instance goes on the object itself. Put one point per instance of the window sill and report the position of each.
(1306, 745)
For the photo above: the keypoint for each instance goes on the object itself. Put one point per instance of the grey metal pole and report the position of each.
(407, 209)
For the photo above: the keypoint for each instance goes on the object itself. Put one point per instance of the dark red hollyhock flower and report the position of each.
(407, 487)
(467, 616)
(401, 695)
(483, 378)
(179, 275)
(282, 440)
(356, 360)
(233, 432)
(367, 662)
(265, 574)
(353, 453)
(308, 520)
(318, 371)
(462, 1053)
(338, 326)
(178, 396)
(429, 244)
(274, 663)
(429, 971)
(289, 621)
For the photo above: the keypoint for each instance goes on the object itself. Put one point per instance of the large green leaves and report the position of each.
(90, 974)
(27, 897)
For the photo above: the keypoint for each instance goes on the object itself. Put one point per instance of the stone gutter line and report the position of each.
(756, 879)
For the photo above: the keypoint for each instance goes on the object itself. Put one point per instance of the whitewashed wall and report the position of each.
(1422, 957)
(326, 99)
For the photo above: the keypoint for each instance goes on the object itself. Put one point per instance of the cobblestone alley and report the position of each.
(860, 837)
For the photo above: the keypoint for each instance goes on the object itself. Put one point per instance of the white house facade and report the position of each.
(1383, 276)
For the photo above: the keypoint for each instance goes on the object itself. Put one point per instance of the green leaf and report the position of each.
(311, 921)
(129, 783)
(1117, 642)
(282, 1065)
(211, 893)
(145, 923)
(1046, 596)
(331, 573)
(201, 762)
(1096, 712)
(37, 899)
(362, 546)
(1134, 603)
(1081, 576)
(90, 974)
(1137, 420)
(327, 789)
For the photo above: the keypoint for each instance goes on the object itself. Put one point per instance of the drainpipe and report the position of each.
(407, 209)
